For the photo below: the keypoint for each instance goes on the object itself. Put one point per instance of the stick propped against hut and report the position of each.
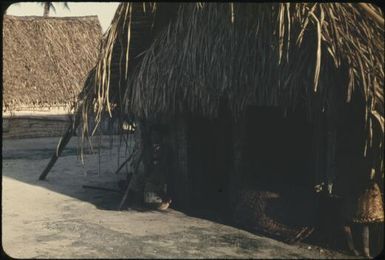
(45, 63)
(256, 95)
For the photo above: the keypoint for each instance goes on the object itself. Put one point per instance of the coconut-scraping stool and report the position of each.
(369, 206)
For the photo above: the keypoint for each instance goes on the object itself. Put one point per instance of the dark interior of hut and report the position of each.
(277, 157)
(210, 161)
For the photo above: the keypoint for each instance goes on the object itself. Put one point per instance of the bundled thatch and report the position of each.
(46, 59)
(201, 55)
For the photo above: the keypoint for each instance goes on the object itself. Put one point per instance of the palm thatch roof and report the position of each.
(46, 59)
(195, 56)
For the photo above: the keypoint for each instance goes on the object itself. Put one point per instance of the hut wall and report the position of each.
(33, 124)
(30, 127)
(209, 162)
(214, 158)
(178, 181)
(201, 152)
(236, 175)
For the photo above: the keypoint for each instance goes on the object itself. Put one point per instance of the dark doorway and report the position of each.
(278, 148)
(278, 157)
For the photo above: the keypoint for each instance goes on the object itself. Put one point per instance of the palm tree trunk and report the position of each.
(47, 6)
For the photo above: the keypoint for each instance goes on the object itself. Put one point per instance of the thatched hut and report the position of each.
(45, 63)
(284, 91)
(272, 96)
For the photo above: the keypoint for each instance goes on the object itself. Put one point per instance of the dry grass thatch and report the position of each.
(200, 54)
(46, 59)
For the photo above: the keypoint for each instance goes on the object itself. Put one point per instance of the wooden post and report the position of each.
(331, 157)
(146, 146)
(331, 114)
(136, 180)
(61, 145)
(182, 190)
(235, 176)
(133, 182)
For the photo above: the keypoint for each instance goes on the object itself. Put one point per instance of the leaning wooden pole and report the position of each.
(124, 163)
(61, 145)
(132, 181)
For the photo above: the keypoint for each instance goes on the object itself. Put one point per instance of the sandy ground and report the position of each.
(58, 218)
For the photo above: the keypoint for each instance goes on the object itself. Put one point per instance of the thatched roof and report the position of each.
(269, 54)
(201, 55)
(46, 59)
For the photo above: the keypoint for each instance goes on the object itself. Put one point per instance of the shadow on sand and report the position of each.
(24, 159)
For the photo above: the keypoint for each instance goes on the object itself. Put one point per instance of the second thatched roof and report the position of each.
(46, 59)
